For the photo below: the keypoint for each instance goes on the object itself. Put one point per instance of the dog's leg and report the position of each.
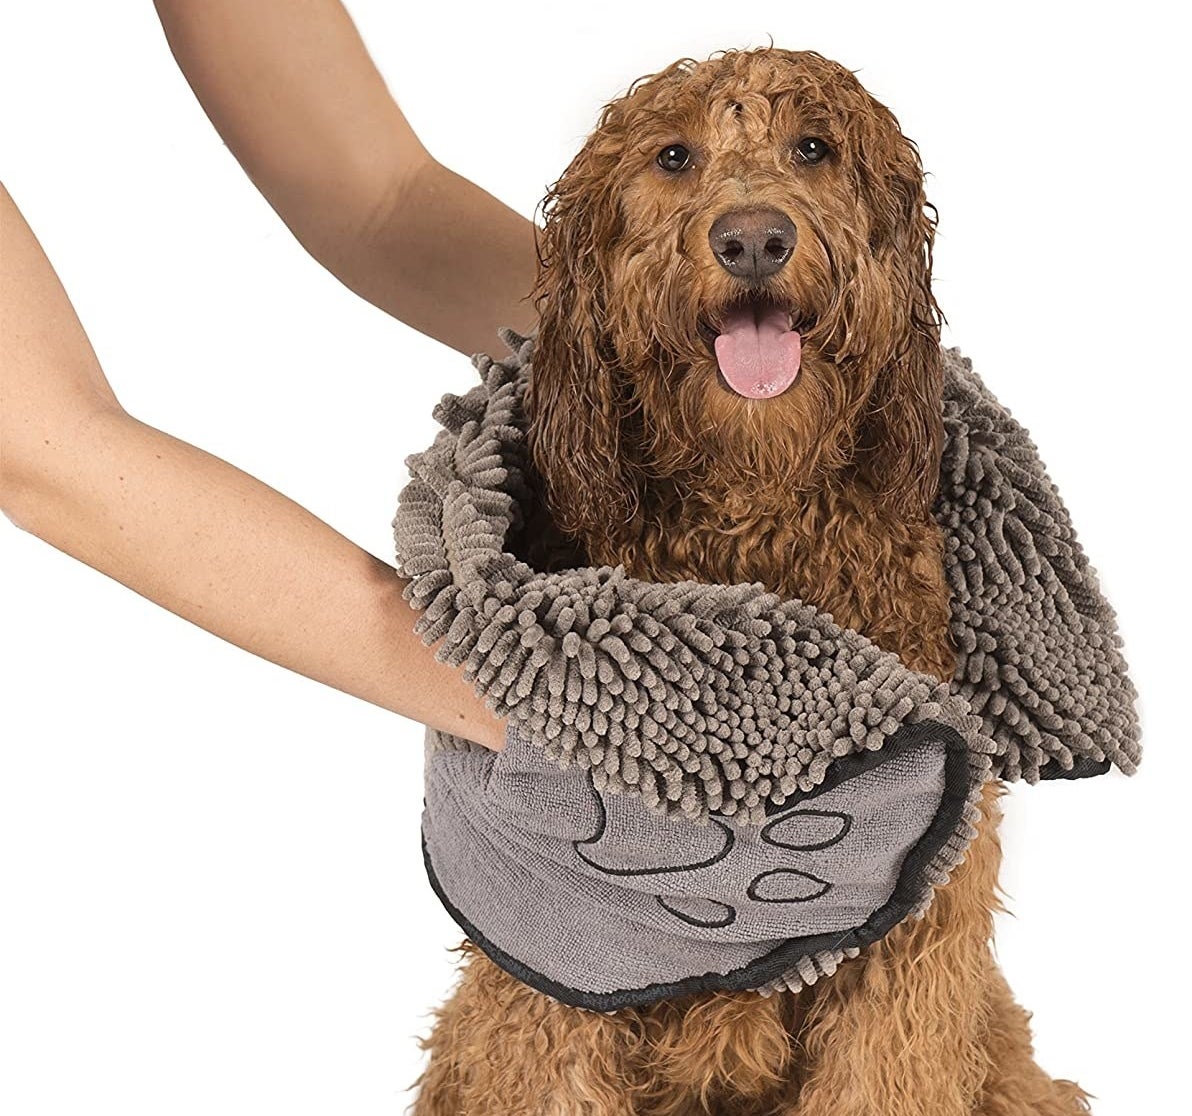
(1016, 1086)
(499, 1048)
(903, 1030)
(721, 1053)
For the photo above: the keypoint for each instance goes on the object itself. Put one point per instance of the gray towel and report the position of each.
(706, 786)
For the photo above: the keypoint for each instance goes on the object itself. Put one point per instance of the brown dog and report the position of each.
(737, 378)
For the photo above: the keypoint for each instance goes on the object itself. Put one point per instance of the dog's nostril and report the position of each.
(752, 243)
(778, 247)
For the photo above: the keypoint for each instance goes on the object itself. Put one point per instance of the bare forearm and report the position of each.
(292, 90)
(186, 529)
(229, 553)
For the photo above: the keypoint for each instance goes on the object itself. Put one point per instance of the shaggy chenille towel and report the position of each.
(707, 786)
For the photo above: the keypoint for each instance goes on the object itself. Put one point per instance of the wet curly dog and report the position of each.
(738, 378)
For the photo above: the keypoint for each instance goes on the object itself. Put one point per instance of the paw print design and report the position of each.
(823, 862)
(710, 876)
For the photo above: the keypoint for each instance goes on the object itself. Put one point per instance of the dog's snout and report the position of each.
(752, 244)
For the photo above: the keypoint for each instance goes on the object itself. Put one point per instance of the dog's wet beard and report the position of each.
(689, 427)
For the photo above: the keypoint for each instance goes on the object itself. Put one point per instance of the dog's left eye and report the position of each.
(812, 149)
(674, 157)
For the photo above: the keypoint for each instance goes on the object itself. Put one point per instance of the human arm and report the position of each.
(190, 531)
(291, 89)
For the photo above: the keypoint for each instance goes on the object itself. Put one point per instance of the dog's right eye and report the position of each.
(674, 157)
(812, 149)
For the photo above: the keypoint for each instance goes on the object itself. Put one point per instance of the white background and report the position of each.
(212, 894)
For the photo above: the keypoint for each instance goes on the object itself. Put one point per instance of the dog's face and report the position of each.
(734, 287)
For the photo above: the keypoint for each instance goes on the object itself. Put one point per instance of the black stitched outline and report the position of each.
(844, 832)
(848, 767)
(1083, 767)
(904, 898)
(701, 923)
(751, 890)
(858, 763)
(731, 840)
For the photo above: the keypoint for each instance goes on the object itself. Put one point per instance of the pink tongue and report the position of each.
(759, 357)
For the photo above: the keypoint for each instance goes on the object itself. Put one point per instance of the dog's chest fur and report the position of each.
(834, 549)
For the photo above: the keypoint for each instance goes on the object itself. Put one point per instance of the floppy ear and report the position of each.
(577, 400)
(902, 430)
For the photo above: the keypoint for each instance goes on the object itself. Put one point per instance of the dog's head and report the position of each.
(734, 287)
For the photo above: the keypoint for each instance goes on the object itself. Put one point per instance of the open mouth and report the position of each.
(756, 344)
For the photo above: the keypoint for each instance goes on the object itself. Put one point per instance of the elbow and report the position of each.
(21, 489)
(11, 508)
(11, 485)
(36, 473)
(18, 497)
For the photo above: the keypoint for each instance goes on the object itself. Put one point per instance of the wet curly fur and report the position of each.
(824, 492)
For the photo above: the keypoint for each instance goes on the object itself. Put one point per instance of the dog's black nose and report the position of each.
(752, 243)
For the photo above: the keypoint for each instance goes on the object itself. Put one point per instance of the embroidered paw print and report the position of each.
(709, 876)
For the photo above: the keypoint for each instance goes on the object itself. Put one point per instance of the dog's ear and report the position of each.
(577, 399)
(901, 436)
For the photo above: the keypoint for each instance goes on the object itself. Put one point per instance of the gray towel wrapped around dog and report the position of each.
(709, 787)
